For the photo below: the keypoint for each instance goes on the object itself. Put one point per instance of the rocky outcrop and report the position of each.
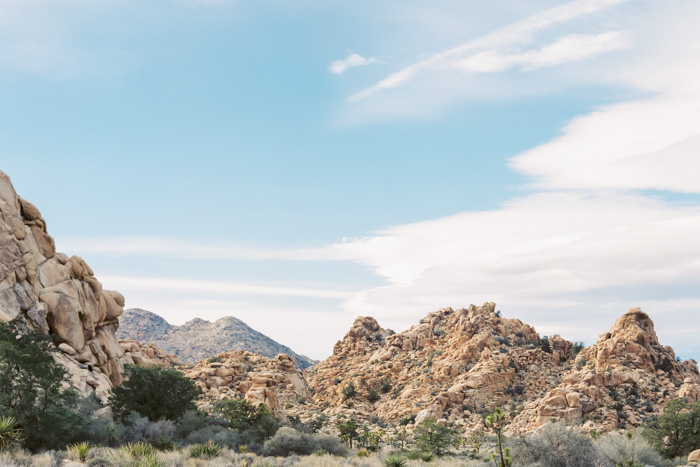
(625, 377)
(57, 295)
(199, 339)
(147, 355)
(238, 374)
(456, 365)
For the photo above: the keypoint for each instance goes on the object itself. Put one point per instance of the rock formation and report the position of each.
(147, 355)
(59, 296)
(238, 374)
(199, 339)
(457, 365)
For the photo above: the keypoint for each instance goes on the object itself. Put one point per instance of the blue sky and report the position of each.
(297, 164)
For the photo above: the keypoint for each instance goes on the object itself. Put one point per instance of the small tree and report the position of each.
(155, 393)
(496, 422)
(433, 437)
(348, 431)
(677, 431)
(545, 345)
(243, 416)
(30, 388)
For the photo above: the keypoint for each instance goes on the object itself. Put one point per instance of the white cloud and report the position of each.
(566, 49)
(176, 248)
(135, 283)
(540, 257)
(516, 34)
(353, 60)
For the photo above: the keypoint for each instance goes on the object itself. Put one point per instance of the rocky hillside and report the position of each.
(199, 339)
(58, 295)
(458, 364)
(238, 374)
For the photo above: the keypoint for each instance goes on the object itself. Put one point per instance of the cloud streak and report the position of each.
(338, 67)
(518, 33)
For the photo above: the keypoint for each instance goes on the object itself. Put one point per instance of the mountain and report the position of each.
(57, 295)
(199, 339)
(456, 365)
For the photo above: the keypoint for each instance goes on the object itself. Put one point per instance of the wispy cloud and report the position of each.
(136, 283)
(176, 248)
(353, 60)
(519, 33)
(566, 49)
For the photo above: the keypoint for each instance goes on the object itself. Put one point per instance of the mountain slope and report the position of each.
(199, 339)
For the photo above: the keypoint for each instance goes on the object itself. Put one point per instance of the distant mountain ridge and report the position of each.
(199, 339)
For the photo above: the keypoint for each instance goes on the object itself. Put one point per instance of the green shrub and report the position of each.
(349, 391)
(627, 451)
(10, 433)
(426, 456)
(395, 461)
(163, 443)
(207, 450)
(372, 396)
(385, 385)
(156, 393)
(362, 453)
(320, 452)
(139, 449)
(255, 421)
(80, 450)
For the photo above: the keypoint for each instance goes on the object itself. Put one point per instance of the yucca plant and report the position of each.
(209, 449)
(10, 434)
(395, 461)
(139, 450)
(80, 450)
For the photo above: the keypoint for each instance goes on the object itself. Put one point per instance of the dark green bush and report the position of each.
(156, 393)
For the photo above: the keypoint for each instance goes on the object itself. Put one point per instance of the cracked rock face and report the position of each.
(58, 295)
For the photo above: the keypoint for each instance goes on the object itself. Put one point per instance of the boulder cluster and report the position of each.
(58, 295)
(238, 374)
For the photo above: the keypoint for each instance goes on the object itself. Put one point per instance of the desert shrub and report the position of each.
(372, 396)
(163, 443)
(426, 456)
(220, 435)
(385, 385)
(576, 348)
(80, 450)
(10, 433)
(556, 445)
(156, 393)
(288, 441)
(349, 391)
(141, 429)
(628, 450)
(207, 450)
(395, 461)
(362, 453)
(140, 449)
(545, 345)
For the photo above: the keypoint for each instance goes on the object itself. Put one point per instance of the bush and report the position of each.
(628, 450)
(10, 433)
(362, 453)
(395, 461)
(141, 429)
(155, 393)
(553, 446)
(288, 441)
(385, 385)
(349, 391)
(80, 450)
(372, 396)
(208, 450)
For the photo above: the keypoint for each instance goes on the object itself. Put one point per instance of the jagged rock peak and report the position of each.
(199, 339)
(57, 295)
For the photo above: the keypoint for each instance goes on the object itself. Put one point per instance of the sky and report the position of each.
(299, 164)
